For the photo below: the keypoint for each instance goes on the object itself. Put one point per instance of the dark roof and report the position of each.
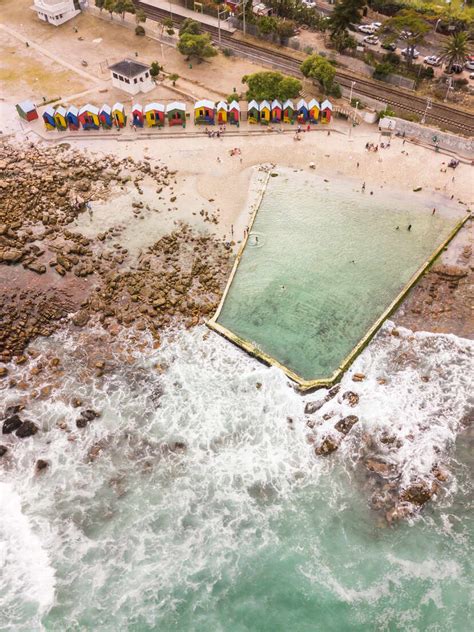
(129, 68)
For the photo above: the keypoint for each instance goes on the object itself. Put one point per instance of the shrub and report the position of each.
(227, 52)
(139, 30)
(335, 91)
(382, 70)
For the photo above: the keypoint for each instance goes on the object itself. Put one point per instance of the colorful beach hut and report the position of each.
(288, 111)
(221, 111)
(48, 117)
(313, 110)
(302, 112)
(204, 112)
(72, 117)
(137, 115)
(154, 114)
(326, 111)
(27, 110)
(253, 112)
(89, 117)
(60, 118)
(176, 113)
(118, 115)
(277, 111)
(234, 113)
(265, 112)
(105, 116)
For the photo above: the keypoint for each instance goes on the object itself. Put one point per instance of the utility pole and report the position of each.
(449, 82)
(428, 107)
(244, 2)
(352, 88)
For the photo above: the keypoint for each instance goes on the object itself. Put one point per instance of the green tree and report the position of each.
(100, 4)
(198, 46)
(109, 6)
(140, 16)
(267, 24)
(285, 29)
(455, 50)
(124, 6)
(319, 68)
(190, 26)
(346, 12)
(271, 85)
(155, 69)
(173, 78)
(341, 40)
(409, 26)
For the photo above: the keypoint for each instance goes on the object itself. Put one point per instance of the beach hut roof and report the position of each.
(89, 108)
(176, 105)
(26, 106)
(154, 107)
(72, 110)
(61, 110)
(49, 110)
(288, 104)
(252, 104)
(222, 105)
(264, 104)
(234, 106)
(301, 104)
(129, 68)
(314, 103)
(137, 106)
(106, 108)
(118, 106)
(276, 104)
(326, 105)
(204, 103)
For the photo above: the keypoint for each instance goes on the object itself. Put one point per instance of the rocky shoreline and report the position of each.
(53, 277)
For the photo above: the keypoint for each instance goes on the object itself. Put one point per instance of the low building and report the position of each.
(131, 76)
(56, 12)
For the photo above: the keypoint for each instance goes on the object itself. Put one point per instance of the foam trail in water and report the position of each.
(26, 575)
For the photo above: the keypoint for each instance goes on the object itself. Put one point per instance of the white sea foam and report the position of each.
(144, 528)
(27, 579)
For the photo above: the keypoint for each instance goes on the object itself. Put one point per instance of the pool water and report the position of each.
(322, 263)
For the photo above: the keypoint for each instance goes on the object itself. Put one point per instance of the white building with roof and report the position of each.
(56, 12)
(131, 76)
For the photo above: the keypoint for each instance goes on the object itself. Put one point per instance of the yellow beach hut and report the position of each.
(222, 109)
(118, 115)
(154, 114)
(60, 118)
(265, 112)
(314, 109)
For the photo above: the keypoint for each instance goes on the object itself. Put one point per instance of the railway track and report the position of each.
(400, 100)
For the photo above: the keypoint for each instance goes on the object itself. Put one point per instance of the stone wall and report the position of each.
(464, 147)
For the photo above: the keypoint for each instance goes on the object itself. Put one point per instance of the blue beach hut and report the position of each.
(302, 111)
(48, 117)
(72, 117)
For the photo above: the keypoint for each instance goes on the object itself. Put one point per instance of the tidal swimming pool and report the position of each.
(323, 264)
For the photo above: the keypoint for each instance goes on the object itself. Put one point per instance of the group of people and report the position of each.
(215, 133)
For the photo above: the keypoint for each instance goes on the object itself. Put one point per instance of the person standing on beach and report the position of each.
(433, 212)
(363, 186)
(409, 227)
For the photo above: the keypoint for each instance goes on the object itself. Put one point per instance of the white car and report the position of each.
(470, 64)
(376, 24)
(405, 34)
(432, 60)
(371, 39)
(416, 53)
(309, 4)
(367, 28)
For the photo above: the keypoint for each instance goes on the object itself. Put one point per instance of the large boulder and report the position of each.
(327, 446)
(11, 424)
(312, 407)
(27, 429)
(3, 450)
(345, 424)
(418, 493)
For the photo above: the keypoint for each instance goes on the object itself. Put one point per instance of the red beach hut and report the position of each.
(234, 113)
(137, 115)
(27, 110)
(277, 111)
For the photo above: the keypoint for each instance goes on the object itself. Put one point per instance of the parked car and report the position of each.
(432, 60)
(456, 68)
(405, 34)
(367, 28)
(377, 24)
(405, 51)
(371, 39)
(470, 63)
(389, 46)
(309, 4)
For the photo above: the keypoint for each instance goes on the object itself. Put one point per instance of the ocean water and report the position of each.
(194, 503)
(323, 262)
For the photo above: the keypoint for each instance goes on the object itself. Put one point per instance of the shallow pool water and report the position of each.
(323, 261)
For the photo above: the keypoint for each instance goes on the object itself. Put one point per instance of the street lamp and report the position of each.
(428, 107)
(352, 88)
(449, 82)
